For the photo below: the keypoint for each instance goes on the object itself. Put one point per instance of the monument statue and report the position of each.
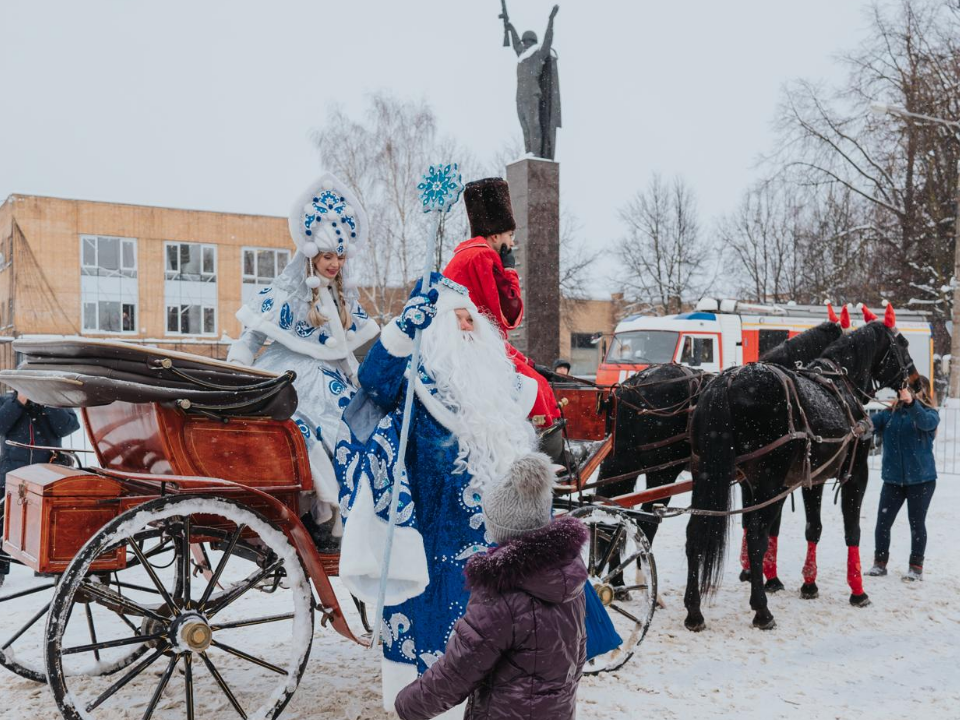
(538, 85)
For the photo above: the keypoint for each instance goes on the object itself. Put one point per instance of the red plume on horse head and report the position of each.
(889, 318)
(868, 316)
(845, 318)
(831, 315)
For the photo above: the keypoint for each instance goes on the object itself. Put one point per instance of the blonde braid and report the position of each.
(342, 302)
(315, 317)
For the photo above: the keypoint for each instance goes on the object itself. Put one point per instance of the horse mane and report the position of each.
(808, 344)
(857, 351)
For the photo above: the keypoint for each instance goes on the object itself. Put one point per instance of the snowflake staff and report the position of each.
(463, 413)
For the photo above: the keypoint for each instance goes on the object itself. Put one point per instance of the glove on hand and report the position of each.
(507, 257)
(418, 313)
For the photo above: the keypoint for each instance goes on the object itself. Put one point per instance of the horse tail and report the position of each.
(713, 474)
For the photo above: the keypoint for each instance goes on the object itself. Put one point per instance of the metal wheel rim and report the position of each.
(643, 585)
(171, 652)
(30, 663)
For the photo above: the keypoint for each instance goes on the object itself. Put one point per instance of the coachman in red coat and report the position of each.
(484, 264)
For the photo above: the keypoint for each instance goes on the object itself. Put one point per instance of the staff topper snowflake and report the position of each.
(440, 188)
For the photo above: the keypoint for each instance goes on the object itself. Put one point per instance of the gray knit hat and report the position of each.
(522, 501)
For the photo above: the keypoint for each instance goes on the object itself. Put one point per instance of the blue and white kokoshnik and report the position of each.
(328, 217)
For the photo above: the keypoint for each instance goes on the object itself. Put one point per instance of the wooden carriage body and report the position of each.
(182, 425)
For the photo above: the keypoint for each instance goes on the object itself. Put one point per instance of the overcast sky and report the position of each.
(210, 105)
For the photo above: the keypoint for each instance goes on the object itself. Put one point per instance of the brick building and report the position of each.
(172, 278)
(168, 277)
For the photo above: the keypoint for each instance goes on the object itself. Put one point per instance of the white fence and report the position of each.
(946, 448)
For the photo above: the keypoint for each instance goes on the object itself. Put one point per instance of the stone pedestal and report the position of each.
(535, 195)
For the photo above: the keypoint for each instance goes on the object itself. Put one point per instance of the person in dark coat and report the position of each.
(519, 650)
(24, 421)
(909, 474)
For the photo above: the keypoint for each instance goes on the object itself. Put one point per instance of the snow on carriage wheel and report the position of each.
(25, 601)
(239, 638)
(622, 570)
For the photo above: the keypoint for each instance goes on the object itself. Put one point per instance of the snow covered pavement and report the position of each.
(897, 658)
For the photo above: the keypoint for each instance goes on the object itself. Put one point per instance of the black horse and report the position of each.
(653, 408)
(780, 427)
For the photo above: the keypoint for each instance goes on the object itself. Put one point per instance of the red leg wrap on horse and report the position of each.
(854, 578)
(810, 564)
(770, 559)
(744, 555)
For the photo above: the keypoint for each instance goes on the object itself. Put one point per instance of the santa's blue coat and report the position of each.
(439, 508)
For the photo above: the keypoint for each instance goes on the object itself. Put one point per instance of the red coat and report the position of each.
(495, 291)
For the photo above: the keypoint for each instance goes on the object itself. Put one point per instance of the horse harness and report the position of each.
(798, 428)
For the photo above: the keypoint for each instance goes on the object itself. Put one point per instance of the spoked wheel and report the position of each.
(25, 600)
(622, 570)
(240, 637)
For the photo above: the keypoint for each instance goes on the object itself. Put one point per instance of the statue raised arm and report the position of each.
(510, 36)
(538, 86)
(548, 35)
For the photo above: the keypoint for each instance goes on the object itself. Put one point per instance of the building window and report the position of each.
(108, 256)
(109, 316)
(191, 319)
(584, 353)
(190, 288)
(108, 284)
(191, 262)
(259, 268)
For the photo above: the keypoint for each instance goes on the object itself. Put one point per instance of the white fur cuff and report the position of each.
(240, 354)
(395, 341)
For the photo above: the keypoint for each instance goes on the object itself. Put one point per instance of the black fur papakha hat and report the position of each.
(488, 207)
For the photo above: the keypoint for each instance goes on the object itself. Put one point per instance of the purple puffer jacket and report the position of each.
(519, 650)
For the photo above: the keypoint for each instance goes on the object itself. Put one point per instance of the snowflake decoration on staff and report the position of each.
(440, 188)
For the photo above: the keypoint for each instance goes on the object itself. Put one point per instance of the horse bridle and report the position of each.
(908, 371)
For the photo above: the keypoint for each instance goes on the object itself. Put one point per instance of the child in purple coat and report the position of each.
(519, 650)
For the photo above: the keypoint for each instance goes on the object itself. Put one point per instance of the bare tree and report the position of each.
(381, 157)
(903, 170)
(663, 254)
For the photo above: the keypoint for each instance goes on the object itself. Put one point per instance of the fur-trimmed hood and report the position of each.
(544, 563)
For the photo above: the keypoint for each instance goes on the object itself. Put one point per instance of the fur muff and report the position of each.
(506, 566)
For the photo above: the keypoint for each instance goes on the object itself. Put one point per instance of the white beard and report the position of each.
(478, 382)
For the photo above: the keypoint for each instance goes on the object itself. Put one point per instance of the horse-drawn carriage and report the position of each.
(182, 546)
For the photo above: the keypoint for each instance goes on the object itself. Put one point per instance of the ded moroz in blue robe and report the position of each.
(440, 522)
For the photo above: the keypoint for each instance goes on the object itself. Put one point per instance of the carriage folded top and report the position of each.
(88, 372)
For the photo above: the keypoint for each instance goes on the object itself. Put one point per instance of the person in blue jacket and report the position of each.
(909, 474)
(24, 421)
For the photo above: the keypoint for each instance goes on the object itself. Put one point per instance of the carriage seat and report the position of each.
(88, 372)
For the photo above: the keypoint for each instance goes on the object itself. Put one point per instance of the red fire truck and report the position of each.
(720, 334)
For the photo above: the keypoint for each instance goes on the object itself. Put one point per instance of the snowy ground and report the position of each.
(895, 659)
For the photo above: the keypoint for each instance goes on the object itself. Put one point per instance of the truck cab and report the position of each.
(703, 340)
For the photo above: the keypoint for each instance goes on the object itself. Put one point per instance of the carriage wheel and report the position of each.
(24, 603)
(243, 635)
(616, 549)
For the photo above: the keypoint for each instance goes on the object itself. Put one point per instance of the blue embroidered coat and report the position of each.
(440, 523)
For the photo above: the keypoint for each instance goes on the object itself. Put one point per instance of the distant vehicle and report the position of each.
(724, 333)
